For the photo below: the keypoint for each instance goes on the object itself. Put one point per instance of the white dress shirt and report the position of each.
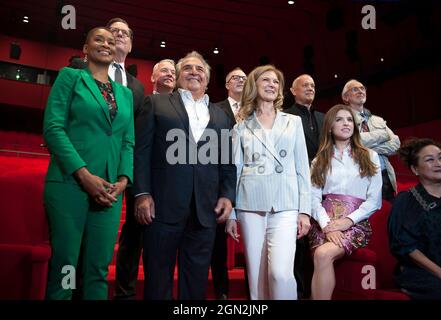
(197, 111)
(112, 69)
(344, 179)
(235, 105)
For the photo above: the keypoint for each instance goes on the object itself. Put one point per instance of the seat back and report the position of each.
(379, 243)
(23, 218)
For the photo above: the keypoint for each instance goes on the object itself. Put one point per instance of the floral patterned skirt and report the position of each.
(339, 206)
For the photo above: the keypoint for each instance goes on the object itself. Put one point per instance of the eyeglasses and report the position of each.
(125, 33)
(237, 78)
(358, 89)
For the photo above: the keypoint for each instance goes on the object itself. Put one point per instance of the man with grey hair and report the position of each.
(374, 134)
(164, 76)
(130, 240)
(181, 203)
(234, 83)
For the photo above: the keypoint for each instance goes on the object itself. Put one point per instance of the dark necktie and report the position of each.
(364, 125)
(118, 73)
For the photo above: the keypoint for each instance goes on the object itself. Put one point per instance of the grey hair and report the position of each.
(346, 88)
(197, 55)
(156, 66)
(229, 73)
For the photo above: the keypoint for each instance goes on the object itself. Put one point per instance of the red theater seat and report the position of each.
(375, 260)
(24, 240)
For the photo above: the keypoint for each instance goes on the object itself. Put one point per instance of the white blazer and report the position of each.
(272, 174)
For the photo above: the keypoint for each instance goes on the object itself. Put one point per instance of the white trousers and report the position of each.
(270, 246)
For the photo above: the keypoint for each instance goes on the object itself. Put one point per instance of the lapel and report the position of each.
(279, 127)
(119, 97)
(129, 81)
(253, 125)
(319, 119)
(92, 86)
(227, 107)
(178, 105)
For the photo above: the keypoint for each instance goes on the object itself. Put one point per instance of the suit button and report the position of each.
(282, 153)
(261, 169)
(256, 156)
(279, 169)
(109, 133)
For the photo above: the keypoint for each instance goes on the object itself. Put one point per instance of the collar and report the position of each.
(347, 151)
(122, 64)
(430, 202)
(186, 94)
(304, 109)
(232, 101)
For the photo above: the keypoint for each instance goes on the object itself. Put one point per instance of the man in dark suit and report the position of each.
(303, 90)
(130, 239)
(234, 83)
(180, 196)
(164, 76)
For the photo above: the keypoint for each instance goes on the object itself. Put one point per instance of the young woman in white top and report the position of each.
(346, 191)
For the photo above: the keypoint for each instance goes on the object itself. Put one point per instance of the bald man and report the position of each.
(303, 90)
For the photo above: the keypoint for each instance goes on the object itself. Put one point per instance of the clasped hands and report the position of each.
(101, 191)
(334, 230)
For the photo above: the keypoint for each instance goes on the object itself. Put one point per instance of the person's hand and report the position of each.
(144, 209)
(96, 187)
(303, 225)
(231, 229)
(119, 186)
(338, 225)
(335, 237)
(223, 209)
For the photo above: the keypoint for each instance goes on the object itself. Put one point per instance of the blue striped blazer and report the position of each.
(272, 174)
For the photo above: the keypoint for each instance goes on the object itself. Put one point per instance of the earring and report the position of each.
(85, 58)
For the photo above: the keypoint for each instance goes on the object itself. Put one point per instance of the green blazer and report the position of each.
(79, 133)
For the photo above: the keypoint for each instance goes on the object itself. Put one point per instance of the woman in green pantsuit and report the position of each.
(89, 130)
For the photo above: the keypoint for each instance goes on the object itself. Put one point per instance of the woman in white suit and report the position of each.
(273, 191)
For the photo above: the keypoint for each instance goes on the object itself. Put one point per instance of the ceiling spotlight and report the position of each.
(25, 19)
(335, 76)
(162, 45)
(216, 51)
(381, 59)
(290, 2)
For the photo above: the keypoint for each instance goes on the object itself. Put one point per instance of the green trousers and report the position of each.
(79, 229)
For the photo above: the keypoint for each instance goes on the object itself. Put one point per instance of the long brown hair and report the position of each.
(249, 95)
(322, 163)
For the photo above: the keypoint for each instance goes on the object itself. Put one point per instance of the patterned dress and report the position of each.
(346, 194)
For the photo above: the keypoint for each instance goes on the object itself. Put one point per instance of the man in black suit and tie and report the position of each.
(130, 239)
(234, 83)
(303, 90)
(164, 77)
(179, 196)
